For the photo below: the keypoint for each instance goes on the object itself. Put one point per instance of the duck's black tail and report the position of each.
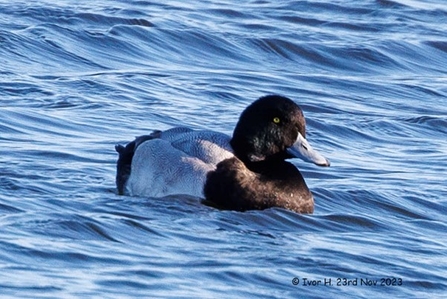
(124, 163)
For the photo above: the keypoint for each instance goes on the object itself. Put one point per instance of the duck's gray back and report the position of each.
(209, 146)
(176, 162)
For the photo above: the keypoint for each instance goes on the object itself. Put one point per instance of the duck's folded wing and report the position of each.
(208, 146)
(159, 169)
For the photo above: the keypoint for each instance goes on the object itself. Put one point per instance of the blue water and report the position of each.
(78, 77)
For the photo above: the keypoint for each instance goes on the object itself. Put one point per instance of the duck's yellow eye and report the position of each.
(276, 120)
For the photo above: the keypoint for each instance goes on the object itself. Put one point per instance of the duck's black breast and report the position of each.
(236, 186)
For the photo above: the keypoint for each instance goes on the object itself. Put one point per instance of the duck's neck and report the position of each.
(275, 168)
(251, 153)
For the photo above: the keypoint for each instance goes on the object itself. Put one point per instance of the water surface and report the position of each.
(77, 78)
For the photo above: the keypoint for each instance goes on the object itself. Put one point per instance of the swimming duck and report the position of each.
(249, 170)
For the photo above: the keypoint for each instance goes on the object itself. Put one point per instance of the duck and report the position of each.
(251, 170)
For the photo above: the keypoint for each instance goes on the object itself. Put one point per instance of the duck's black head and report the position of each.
(273, 127)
